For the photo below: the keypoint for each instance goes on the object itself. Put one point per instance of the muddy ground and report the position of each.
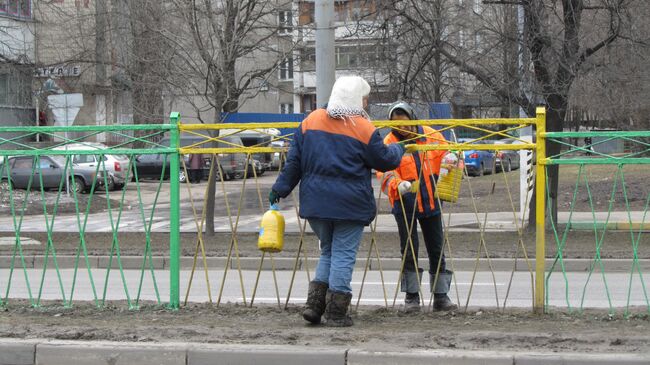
(375, 328)
(580, 244)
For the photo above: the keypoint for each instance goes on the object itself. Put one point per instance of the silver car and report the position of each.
(52, 168)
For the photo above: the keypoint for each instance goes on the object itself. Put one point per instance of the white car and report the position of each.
(117, 166)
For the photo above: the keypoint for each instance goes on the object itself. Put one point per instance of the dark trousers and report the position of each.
(195, 175)
(433, 241)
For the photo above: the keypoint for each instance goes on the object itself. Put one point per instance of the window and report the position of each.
(285, 22)
(307, 10)
(348, 57)
(17, 8)
(308, 102)
(286, 108)
(308, 59)
(15, 87)
(23, 163)
(83, 159)
(286, 69)
(45, 163)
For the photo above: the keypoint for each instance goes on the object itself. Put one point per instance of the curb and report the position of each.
(610, 226)
(54, 352)
(287, 263)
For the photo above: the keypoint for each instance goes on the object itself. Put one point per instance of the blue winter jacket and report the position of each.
(332, 159)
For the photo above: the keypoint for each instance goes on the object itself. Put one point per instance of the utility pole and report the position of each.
(325, 66)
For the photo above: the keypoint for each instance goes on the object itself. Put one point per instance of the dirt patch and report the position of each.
(580, 244)
(32, 203)
(491, 193)
(375, 328)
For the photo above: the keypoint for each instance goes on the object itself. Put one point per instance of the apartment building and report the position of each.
(359, 49)
(77, 52)
(17, 46)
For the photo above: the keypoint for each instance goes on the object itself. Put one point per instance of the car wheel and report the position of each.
(4, 185)
(79, 185)
(508, 166)
(226, 177)
(181, 176)
(481, 170)
(111, 184)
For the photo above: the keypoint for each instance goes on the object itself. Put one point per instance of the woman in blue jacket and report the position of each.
(332, 154)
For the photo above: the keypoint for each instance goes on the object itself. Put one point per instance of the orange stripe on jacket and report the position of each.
(429, 162)
(356, 127)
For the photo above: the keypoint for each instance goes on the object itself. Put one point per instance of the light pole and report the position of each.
(325, 66)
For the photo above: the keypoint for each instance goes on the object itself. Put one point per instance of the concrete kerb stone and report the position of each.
(131, 262)
(429, 357)
(253, 263)
(581, 359)
(64, 261)
(260, 354)
(187, 262)
(5, 262)
(54, 352)
(109, 353)
(17, 352)
(287, 263)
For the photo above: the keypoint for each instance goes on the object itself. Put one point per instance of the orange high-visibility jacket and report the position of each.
(409, 169)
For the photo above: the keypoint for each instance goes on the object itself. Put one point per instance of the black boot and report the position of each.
(441, 301)
(411, 286)
(336, 310)
(412, 303)
(315, 302)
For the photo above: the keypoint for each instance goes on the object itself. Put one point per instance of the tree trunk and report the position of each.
(230, 105)
(556, 110)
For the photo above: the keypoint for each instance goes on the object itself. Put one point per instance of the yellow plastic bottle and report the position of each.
(271, 237)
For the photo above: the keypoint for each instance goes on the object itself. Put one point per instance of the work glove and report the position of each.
(450, 159)
(274, 198)
(404, 187)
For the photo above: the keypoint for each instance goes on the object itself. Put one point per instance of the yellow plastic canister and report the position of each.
(448, 187)
(271, 237)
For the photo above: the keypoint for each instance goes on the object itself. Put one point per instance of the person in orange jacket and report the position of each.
(421, 168)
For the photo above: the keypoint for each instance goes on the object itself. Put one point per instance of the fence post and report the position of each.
(174, 214)
(540, 212)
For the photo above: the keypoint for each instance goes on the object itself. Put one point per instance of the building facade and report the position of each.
(17, 52)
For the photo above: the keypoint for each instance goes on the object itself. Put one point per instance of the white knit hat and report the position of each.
(347, 96)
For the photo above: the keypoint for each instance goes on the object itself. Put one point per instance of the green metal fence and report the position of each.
(614, 209)
(47, 177)
(86, 193)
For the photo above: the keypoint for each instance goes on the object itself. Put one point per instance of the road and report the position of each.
(482, 292)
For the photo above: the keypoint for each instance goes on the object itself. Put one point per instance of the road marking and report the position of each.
(10, 241)
(395, 283)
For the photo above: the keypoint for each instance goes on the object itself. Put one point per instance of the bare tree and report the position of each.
(223, 49)
(554, 41)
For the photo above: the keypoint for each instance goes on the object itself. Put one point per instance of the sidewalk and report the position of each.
(53, 352)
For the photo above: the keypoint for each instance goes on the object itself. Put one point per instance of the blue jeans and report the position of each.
(339, 241)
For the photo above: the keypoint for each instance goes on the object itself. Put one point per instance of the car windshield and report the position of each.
(58, 159)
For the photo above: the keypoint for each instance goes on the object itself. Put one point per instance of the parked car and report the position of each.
(506, 160)
(275, 160)
(232, 164)
(478, 162)
(52, 168)
(117, 166)
(259, 168)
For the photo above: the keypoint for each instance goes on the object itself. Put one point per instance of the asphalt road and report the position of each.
(487, 290)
